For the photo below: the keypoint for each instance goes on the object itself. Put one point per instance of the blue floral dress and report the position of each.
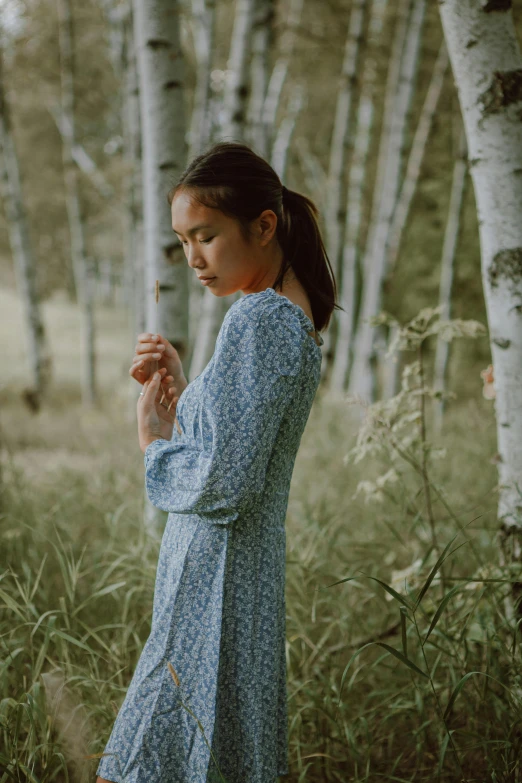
(208, 698)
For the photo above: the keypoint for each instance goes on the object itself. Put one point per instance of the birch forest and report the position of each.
(402, 121)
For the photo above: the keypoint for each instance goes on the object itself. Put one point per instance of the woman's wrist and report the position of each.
(145, 443)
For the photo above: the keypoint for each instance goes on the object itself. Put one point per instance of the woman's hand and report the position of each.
(154, 351)
(154, 419)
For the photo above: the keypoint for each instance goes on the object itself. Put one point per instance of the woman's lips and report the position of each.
(206, 280)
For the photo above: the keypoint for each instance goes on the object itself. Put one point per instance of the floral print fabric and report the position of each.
(219, 598)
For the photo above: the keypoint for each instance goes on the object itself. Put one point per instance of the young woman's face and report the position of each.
(215, 248)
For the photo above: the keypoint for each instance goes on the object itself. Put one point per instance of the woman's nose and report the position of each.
(193, 257)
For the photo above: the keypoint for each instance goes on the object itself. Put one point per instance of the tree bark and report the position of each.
(233, 122)
(418, 149)
(487, 65)
(231, 128)
(354, 200)
(83, 267)
(23, 257)
(283, 138)
(335, 202)
(449, 249)
(399, 92)
(258, 133)
(280, 69)
(161, 83)
(204, 24)
(162, 116)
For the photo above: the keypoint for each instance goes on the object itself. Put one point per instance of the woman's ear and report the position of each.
(267, 224)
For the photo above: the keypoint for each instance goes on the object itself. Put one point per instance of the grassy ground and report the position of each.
(77, 576)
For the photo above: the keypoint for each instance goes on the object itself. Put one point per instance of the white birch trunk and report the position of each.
(162, 115)
(115, 11)
(161, 83)
(280, 69)
(233, 116)
(355, 196)
(24, 261)
(82, 158)
(447, 264)
(363, 373)
(311, 167)
(416, 156)
(134, 266)
(335, 202)
(83, 267)
(335, 213)
(262, 41)
(134, 242)
(487, 65)
(231, 128)
(204, 23)
(283, 138)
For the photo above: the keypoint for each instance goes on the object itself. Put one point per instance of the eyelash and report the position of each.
(203, 241)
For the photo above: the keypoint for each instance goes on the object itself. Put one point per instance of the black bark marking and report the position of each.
(172, 255)
(158, 43)
(166, 166)
(471, 42)
(171, 85)
(502, 342)
(505, 89)
(507, 264)
(496, 5)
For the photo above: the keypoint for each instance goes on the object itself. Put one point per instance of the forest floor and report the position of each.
(77, 576)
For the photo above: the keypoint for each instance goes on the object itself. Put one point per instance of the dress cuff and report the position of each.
(152, 447)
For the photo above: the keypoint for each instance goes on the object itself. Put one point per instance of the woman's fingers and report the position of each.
(150, 343)
(150, 390)
(151, 352)
(138, 369)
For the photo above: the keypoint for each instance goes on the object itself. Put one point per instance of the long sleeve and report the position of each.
(245, 394)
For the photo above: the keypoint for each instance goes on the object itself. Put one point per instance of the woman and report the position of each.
(216, 651)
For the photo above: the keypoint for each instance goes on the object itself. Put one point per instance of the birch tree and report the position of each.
(161, 84)
(231, 128)
(447, 264)
(487, 65)
(23, 257)
(285, 131)
(336, 196)
(262, 42)
(83, 268)
(203, 20)
(355, 195)
(336, 192)
(403, 67)
(416, 156)
(235, 98)
(280, 69)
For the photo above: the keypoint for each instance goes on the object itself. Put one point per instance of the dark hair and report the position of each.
(231, 177)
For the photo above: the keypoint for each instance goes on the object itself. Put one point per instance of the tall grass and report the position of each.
(402, 664)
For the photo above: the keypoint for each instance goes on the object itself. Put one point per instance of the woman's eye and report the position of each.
(206, 241)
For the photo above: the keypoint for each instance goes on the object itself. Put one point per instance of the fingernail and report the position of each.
(140, 364)
(154, 337)
(156, 355)
(156, 376)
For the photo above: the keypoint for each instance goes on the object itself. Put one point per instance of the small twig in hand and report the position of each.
(157, 295)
